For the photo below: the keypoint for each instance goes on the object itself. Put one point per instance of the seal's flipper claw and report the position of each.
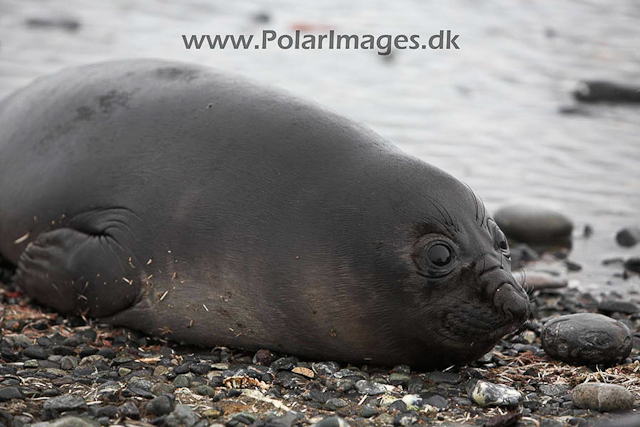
(75, 272)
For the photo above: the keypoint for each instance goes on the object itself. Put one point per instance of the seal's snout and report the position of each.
(513, 302)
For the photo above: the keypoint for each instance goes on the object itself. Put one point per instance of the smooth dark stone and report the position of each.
(66, 402)
(435, 400)
(107, 353)
(603, 91)
(88, 351)
(8, 393)
(439, 377)
(628, 237)
(633, 264)
(284, 364)
(35, 352)
(200, 368)
(161, 405)
(533, 224)
(617, 306)
(129, 410)
(586, 338)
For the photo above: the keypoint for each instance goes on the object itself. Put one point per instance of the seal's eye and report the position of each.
(439, 255)
(435, 256)
(501, 242)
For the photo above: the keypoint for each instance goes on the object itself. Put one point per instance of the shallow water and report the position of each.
(487, 113)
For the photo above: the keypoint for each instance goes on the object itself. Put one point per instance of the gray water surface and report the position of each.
(487, 113)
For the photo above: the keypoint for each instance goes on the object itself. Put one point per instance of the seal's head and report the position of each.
(466, 270)
(458, 292)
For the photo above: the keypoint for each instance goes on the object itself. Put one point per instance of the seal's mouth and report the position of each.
(486, 323)
(466, 325)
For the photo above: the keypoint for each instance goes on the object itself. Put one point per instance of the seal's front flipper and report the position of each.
(75, 272)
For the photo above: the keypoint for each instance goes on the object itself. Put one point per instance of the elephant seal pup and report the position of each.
(204, 208)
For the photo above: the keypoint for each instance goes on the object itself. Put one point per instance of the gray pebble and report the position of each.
(332, 422)
(397, 406)
(35, 352)
(68, 422)
(586, 338)
(628, 420)
(129, 410)
(205, 390)
(406, 419)
(368, 411)
(161, 405)
(182, 415)
(31, 364)
(141, 384)
(399, 378)
(351, 372)
(163, 388)
(68, 363)
(109, 390)
(602, 397)
(65, 402)
(439, 377)
(18, 340)
(488, 394)
(325, 368)
(370, 388)
(8, 393)
(340, 384)
(183, 380)
(403, 369)
(435, 400)
(108, 411)
(200, 368)
(550, 422)
(335, 403)
(554, 390)
(283, 364)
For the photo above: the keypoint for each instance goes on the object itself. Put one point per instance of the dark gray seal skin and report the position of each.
(209, 210)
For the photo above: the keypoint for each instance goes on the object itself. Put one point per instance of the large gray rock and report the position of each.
(602, 397)
(533, 224)
(586, 339)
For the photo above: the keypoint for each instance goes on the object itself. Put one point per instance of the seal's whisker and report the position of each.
(523, 282)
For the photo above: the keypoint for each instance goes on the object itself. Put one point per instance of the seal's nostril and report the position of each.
(511, 302)
(518, 309)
